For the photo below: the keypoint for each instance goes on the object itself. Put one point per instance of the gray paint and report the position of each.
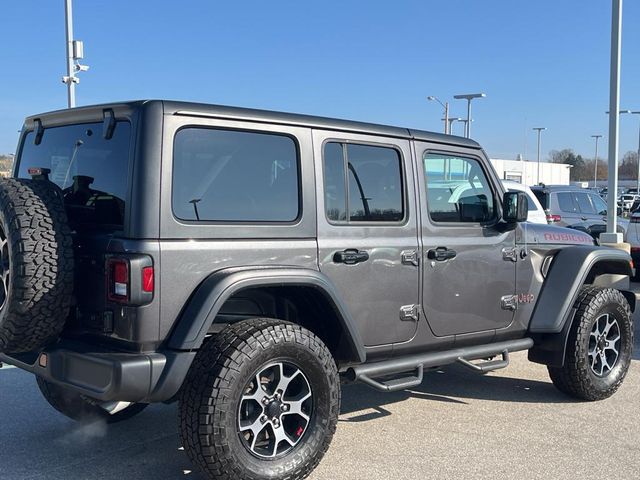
(198, 266)
(373, 290)
(201, 312)
(462, 295)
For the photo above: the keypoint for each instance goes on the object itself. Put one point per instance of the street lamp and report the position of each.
(595, 173)
(468, 97)
(75, 52)
(451, 120)
(446, 111)
(539, 130)
(611, 236)
(638, 184)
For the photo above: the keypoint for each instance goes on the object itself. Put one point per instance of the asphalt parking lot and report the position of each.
(457, 425)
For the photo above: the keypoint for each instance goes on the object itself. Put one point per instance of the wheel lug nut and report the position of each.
(285, 408)
(264, 418)
(265, 400)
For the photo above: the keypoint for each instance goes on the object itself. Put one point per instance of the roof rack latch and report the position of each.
(108, 124)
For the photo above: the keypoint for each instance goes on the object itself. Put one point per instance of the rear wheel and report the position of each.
(261, 401)
(79, 408)
(599, 346)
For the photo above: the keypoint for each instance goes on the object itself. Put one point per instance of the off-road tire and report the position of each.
(38, 256)
(575, 377)
(81, 409)
(209, 400)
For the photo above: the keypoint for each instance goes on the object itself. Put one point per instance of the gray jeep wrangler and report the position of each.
(244, 262)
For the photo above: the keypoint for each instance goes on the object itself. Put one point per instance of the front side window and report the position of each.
(458, 191)
(362, 183)
(235, 176)
(599, 204)
(92, 171)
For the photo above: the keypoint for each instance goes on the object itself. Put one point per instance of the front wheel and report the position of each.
(599, 346)
(261, 401)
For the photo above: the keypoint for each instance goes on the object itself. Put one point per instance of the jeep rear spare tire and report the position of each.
(36, 265)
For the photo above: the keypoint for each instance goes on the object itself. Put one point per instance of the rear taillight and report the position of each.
(130, 279)
(553, 218)
(118, 280)
(147, 279)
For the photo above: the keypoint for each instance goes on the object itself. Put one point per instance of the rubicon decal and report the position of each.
(568, 237)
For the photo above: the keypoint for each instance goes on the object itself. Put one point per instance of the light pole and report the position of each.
(451, 120)
(446, 112)
(595, 172)
(75, 52)
(611, 235)
(539, 130)
(638, 182)
(468, 97)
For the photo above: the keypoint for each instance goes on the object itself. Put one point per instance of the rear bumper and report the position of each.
(108, 376)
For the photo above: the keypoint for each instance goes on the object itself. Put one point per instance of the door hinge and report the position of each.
(410, 257)
(509, 302)
(510, 254)
(410, 312)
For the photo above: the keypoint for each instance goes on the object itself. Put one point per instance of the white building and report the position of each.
(526, 172)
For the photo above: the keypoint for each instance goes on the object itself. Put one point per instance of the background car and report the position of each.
(569, 206)
(627, 201)
(633, 238)
(536, 212)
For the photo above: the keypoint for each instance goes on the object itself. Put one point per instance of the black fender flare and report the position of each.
(204, 305)
(554, 312)
(569, 270)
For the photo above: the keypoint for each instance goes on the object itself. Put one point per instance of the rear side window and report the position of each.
(567, 202)
(235, 176)
(93, 172)
(362, 183)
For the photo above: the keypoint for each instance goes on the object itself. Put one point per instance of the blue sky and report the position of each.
(542, 63)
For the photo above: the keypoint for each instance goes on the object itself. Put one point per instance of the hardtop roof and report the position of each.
(171, 107)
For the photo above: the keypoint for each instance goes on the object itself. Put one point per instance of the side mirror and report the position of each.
(515, 207)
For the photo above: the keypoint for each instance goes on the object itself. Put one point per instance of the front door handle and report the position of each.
(584, 218)
(440, 254)
(351, 256)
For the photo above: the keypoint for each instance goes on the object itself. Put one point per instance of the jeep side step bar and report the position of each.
(417, 363)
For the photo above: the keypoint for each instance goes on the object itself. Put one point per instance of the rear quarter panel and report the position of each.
(190, 251)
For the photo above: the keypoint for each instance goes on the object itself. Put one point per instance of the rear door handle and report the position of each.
(584, 218)
(351, 256)
(440, 254)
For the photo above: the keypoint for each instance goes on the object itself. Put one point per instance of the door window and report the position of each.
(567, 202)
(584, 203)
(531, 202)
(362, 183)
(599, 204)
(458, 190)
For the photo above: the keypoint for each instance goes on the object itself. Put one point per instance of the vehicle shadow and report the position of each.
(453, 384)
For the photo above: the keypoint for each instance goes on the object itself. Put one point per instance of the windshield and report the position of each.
(91, 170)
